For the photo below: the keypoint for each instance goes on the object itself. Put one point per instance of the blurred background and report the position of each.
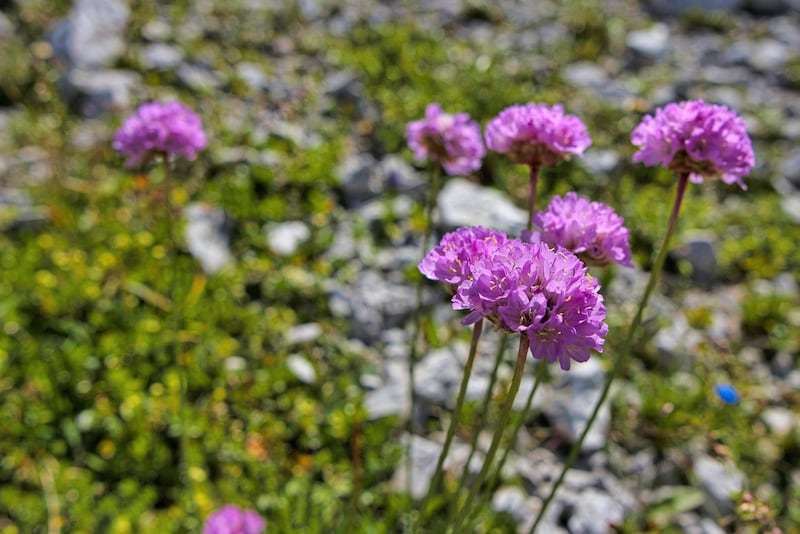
(290, 293)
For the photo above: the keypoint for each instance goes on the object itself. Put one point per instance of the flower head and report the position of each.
(234, 520)
(169, 129)
(536, 134)
(451, 260)
(591, 230)
(703, 140)
(454, 141)
(543, 293)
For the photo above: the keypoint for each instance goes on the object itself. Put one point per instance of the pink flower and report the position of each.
(703, 140)
(454, 141)
(540, 292)
(157, 128)
(231, 519)
(536, 134)
(591, 230)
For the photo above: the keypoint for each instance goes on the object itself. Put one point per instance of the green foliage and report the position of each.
(101, 313)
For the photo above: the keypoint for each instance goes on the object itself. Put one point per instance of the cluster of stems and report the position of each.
(461, 514)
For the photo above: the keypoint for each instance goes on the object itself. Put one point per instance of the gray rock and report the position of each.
(160, 56)
(208, 233)
(198, 77)
(538, 469)
(790, 172)
(514, 502)
(297, 133)
(790, 204)
(252, 75)
(680, 7)
(677, 342)
(438, 375)
(650, 43)
(572, 401)
(285, 238)
(700, 251)
(692, 523)
(373, 303)
(235, 364)
(391, 396)
(424, 455)
(768, 55)
(17, 210)
(6, 27)
(91, 36)
(719, 481)
(585, 74)
(462, 203)
(768, 7)
(595, 512)
(157, 30)
(96, 92)
(345, 91)
(303, 333)
(301, 368)
(780, 421)
(601, 161)
(362, 178)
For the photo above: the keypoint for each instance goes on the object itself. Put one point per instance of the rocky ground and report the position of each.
(743, 54)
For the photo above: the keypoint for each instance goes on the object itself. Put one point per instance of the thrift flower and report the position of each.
(158, 128)
(536, 134)
(543, 293)
(727, 393)
(704, 140)
(451, 260)
(454, 141)
(234, 520)
(591, 230)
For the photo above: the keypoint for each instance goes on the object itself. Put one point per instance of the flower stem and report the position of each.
(534, 184)
(622, 355)
(519, 420)
(487, 398)
(430, 201)
(174, 327)
(437, 474)
(505, 412)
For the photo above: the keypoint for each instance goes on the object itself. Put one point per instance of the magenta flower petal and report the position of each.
(453, 141)
(703, 140)
(536, 134)
(157, 128)
(231, 519)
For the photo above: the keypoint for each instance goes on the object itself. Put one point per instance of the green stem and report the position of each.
(620, 359)
(174, 327)
(519, 420)
(505, 412)
(451, 430)
(487, 398)
(430, 201)
(534, 184)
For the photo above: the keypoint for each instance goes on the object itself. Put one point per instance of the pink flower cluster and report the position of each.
(541, 292)
(591, 230)
(158, 128)
(703, 140)
(536, 134)
(231, 519)
(454, 141)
